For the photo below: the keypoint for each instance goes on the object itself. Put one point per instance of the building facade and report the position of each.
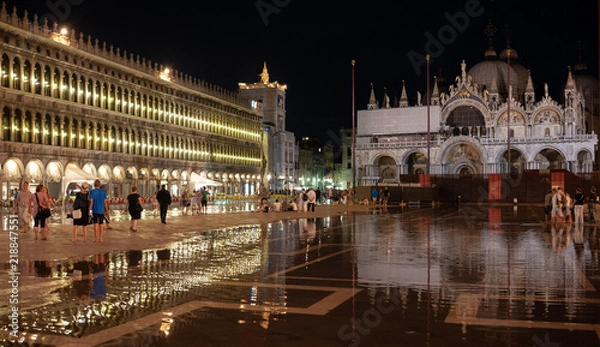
(465, 130)
(69, 101)
(269, 99)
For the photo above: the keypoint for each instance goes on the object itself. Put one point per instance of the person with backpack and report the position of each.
(302, 201)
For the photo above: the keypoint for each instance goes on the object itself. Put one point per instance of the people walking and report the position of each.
(51, 204)
(133, 204)
(24, 202)
(164, 200)
(312, 200)
(579, 200)
(99, 206)
(82, 204)
(40, 202)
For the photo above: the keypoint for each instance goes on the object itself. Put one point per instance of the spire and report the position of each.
(570, 81)
(529, 93)
(494, 87)
(372, 105)
(529, 88)
(403, 96)
(386, 98)
(435, 95)
(264, 75)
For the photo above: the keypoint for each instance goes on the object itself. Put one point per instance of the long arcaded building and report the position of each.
(76, 108)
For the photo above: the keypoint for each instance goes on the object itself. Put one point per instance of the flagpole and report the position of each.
(428, 57)
(508, 113)
(353, 62)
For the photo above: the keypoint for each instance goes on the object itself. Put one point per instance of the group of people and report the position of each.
(560, 206)
(307, 199)
(381, 196)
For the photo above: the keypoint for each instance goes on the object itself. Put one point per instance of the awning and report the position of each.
(75, 174)
(203, 181)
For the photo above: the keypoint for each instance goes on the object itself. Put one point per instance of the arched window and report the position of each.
(16, 74)
(37, 79)
(47, 81)
(5, 69)
(27, 73)
(54, 85)
(6, 124)
(65, 88)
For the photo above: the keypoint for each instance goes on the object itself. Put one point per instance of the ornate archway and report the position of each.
(387, 169)
(463, 158)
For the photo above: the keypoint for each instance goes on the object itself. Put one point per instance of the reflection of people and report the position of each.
(579, 200)
(42, 268)
(99, 280)
(164, 200)
(24, 201)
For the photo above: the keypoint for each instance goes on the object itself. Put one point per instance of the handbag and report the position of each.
(77, 214)
(42, 212)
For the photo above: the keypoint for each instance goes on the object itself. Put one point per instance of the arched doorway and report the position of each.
(463, 158)
(416, 163)
(387, 169)
(550, 159)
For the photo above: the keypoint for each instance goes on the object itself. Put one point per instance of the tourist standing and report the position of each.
(82, 204)
(40, 202)
(578, 206)
(374, 195)
(204, 199)
(164, 200)
(312, 200)
(386, 196)
(24, 202)
(99, 206)
(133, 204)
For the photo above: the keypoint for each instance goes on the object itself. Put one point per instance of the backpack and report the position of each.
(304, 196)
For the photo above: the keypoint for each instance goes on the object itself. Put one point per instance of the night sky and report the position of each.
(308, 45)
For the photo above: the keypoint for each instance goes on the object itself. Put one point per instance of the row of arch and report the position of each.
(204, 115)
(77, 132)
(14, 170)
(463, 158)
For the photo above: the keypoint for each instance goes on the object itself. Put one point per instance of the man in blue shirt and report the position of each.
(98, 205)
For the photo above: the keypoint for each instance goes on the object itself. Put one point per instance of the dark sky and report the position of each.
(308, 45)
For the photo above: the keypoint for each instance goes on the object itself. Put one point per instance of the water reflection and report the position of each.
(419, 260)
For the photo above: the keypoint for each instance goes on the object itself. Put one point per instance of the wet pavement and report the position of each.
(344, 276)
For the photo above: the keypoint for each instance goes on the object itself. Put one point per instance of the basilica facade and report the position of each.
(490, 120)
(77, 109)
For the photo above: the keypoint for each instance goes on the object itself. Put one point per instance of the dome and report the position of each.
(588, 85)
(521, 70)
(485, 72)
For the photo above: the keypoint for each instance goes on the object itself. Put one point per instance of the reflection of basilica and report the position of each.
(474, 126)
(68, 99)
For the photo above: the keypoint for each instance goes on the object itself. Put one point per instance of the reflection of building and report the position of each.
(470, 127)
(67, 99)
(268, 98)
